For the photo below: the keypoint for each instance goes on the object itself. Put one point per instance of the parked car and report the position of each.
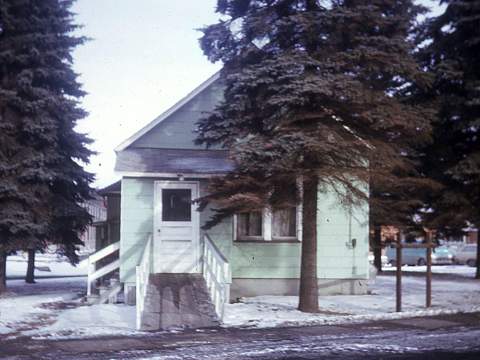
(418, 256)
(466, 255)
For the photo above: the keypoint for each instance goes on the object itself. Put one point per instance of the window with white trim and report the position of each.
(277, 225)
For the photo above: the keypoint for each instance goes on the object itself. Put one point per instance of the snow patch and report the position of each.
(90, 321)
(46, 265)
(449, 296)
(461, 270)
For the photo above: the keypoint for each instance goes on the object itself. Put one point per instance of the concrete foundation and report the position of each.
(284, 287)
(129, 293)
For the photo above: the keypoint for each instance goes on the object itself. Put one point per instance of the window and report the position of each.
(268, 225)
(249, 225)
(284, 223)
(176, 205)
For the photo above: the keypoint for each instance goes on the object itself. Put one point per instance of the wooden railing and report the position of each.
(143, 270)
(216, 271)
(93, 272)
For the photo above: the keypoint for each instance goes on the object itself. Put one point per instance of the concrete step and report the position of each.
(178, 300)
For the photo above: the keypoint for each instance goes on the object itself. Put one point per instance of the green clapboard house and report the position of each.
(178, 274)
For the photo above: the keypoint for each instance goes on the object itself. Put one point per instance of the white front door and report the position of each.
(176, 228)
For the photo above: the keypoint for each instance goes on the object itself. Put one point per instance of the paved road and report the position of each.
(444, 337)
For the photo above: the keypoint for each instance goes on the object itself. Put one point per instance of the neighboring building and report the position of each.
(98, 211)
(471, 236)
(108, 228)
(250, 254)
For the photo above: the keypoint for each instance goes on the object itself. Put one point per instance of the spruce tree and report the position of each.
(42, 182)
(311, 95)
(398, 202)
(452, 54)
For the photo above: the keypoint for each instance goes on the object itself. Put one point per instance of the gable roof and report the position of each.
(125, 144)
(114, 188)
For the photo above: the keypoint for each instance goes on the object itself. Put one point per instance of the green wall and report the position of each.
(254, 260)
(177, 131)
(136, 223)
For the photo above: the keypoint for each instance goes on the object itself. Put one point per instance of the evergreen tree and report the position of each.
(398, 202)
(41, 180)
(311, 94)
(452, 53)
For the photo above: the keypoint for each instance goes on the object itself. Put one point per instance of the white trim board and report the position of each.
(167, 113)
(167, 175)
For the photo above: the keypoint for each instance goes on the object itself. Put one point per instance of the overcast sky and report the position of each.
(143, 57)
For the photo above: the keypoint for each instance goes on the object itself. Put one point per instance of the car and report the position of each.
(442, 255)
(467, 255)
(418, 256)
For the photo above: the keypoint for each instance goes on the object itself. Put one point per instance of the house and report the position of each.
(97, 210)
(178, 274)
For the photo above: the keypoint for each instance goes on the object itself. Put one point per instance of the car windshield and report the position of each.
(441, 250)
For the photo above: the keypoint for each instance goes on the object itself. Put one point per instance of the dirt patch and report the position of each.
(60, 305)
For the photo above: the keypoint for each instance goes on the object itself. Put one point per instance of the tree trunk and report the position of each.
(377, 247)
(3, 271)
(30, 276)
(308, 301)
(477, 275)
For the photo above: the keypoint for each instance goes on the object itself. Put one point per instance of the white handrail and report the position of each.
(107, 250)
(143, 270)
(94, 273)
(216, 271)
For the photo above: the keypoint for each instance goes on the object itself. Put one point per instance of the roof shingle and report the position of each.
(173, 161)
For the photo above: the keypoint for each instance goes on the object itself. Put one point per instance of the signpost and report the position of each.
(428, 289)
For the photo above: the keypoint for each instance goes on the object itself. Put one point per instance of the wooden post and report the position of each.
(429, 271)
(399, 276)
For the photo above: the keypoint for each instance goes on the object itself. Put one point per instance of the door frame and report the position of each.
(194, 186)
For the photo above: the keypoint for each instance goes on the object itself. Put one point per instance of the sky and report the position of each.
(143, 57)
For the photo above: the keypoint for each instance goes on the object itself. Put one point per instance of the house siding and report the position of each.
(136, 224)
(177, 131)
(264, 260)
(335, 260)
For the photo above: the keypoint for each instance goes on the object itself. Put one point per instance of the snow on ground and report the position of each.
(46, 265)
(461, 270)
(449, 296)
(52, 308)
(90, 321)
(27, 306)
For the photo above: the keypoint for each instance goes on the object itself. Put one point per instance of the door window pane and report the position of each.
(176, 205)
(249, 224)
(284, 223)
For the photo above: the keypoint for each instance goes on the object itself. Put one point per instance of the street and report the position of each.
(442, 337)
